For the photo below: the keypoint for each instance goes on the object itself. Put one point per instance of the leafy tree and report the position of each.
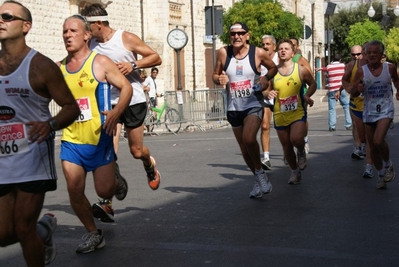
(392, 47)
(262, 17)
(340, 23)
(362, 32)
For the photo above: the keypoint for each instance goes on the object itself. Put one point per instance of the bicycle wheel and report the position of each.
(151, 124)
(172, 120)
(149, 121)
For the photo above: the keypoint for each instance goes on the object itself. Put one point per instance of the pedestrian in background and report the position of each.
(334, 72)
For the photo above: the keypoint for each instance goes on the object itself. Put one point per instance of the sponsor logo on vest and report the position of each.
(6, 113)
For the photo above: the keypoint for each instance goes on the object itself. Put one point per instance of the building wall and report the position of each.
(159, 17)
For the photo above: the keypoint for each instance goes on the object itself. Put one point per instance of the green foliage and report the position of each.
(392, 47)
(262, 17)
(340, 23)
(362, 32)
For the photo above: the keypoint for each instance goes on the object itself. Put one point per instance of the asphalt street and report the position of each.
(201, 214)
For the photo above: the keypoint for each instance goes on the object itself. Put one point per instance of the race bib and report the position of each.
(241, 89)
(85, 109)
(13, 139)
(378, 106)
(289, 103)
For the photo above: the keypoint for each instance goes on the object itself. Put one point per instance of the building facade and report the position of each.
(152, 20)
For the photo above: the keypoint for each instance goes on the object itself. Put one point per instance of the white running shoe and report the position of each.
(264, 183)
(389, 174)
(255, 193)
(50, 249)
(92, 241)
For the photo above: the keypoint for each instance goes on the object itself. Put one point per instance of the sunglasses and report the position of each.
(357, 54)
(239, 33)
(8, 17)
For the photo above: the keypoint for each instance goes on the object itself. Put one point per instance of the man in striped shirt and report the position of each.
(334, 72)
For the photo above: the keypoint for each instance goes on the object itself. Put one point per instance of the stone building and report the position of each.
(152, 20)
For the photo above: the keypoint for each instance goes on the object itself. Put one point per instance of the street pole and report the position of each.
(328, 40)
(213, 37)
(313, 32)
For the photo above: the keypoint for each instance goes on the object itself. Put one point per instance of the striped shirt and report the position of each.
(335, 71)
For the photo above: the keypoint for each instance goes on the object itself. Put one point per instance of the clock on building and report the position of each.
(177, 39)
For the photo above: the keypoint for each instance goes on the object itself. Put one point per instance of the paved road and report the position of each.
(202, 216)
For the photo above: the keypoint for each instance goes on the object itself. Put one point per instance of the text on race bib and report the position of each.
(85, 109)
(13, 139)
(289, 103)
(241, 89)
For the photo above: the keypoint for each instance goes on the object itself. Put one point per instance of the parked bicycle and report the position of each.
(172, 119)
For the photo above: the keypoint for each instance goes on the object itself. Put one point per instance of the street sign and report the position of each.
(308, 32)
(218, 16)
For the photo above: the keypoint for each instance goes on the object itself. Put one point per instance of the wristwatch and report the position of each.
(54, 125)
(134, 65)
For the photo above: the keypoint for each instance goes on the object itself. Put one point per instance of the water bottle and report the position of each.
(257, 87)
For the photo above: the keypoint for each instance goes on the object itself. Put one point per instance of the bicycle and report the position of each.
(172, 119)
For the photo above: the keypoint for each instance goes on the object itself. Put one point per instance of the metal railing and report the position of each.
(196, 108)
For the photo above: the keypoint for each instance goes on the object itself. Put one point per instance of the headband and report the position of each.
(97, 18)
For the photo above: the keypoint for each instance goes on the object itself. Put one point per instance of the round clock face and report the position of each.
(177, 39)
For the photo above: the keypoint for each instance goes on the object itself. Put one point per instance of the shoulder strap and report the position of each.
(228, 57)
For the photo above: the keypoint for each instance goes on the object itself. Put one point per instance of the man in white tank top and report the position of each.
(375, 80)
(238, 67)
(121, 47)
(28, 82)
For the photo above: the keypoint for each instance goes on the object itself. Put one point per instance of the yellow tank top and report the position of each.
(92, 97)
(356, 103)
(289, 106)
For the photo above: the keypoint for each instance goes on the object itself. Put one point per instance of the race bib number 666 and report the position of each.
(13, 139)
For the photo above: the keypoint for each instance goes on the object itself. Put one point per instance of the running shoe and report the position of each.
(295, 178)
(389, 174)
(103, 210)
(381, 184)
(92, 241)
(256, 193)
(357, 154)
(153, 175)
(302, 161)
(121, 191)
(50, 249)
(363, 149)
(368, 172)
(264, 183)
(307, 148)
(266, 165)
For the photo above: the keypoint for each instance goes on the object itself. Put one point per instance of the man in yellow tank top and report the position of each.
(290, 115)
(87, 145)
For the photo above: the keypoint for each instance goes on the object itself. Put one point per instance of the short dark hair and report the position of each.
(337, 57)
(95, 9)
(25, 10)
(154, 68)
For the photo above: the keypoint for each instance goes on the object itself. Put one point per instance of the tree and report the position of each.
(340, 23)
(262, 17)
(362, 32)
(392, 47)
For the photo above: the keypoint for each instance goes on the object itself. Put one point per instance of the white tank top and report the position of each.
(116, 51)
(378, 95)
(242, 74)
(21, 160)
